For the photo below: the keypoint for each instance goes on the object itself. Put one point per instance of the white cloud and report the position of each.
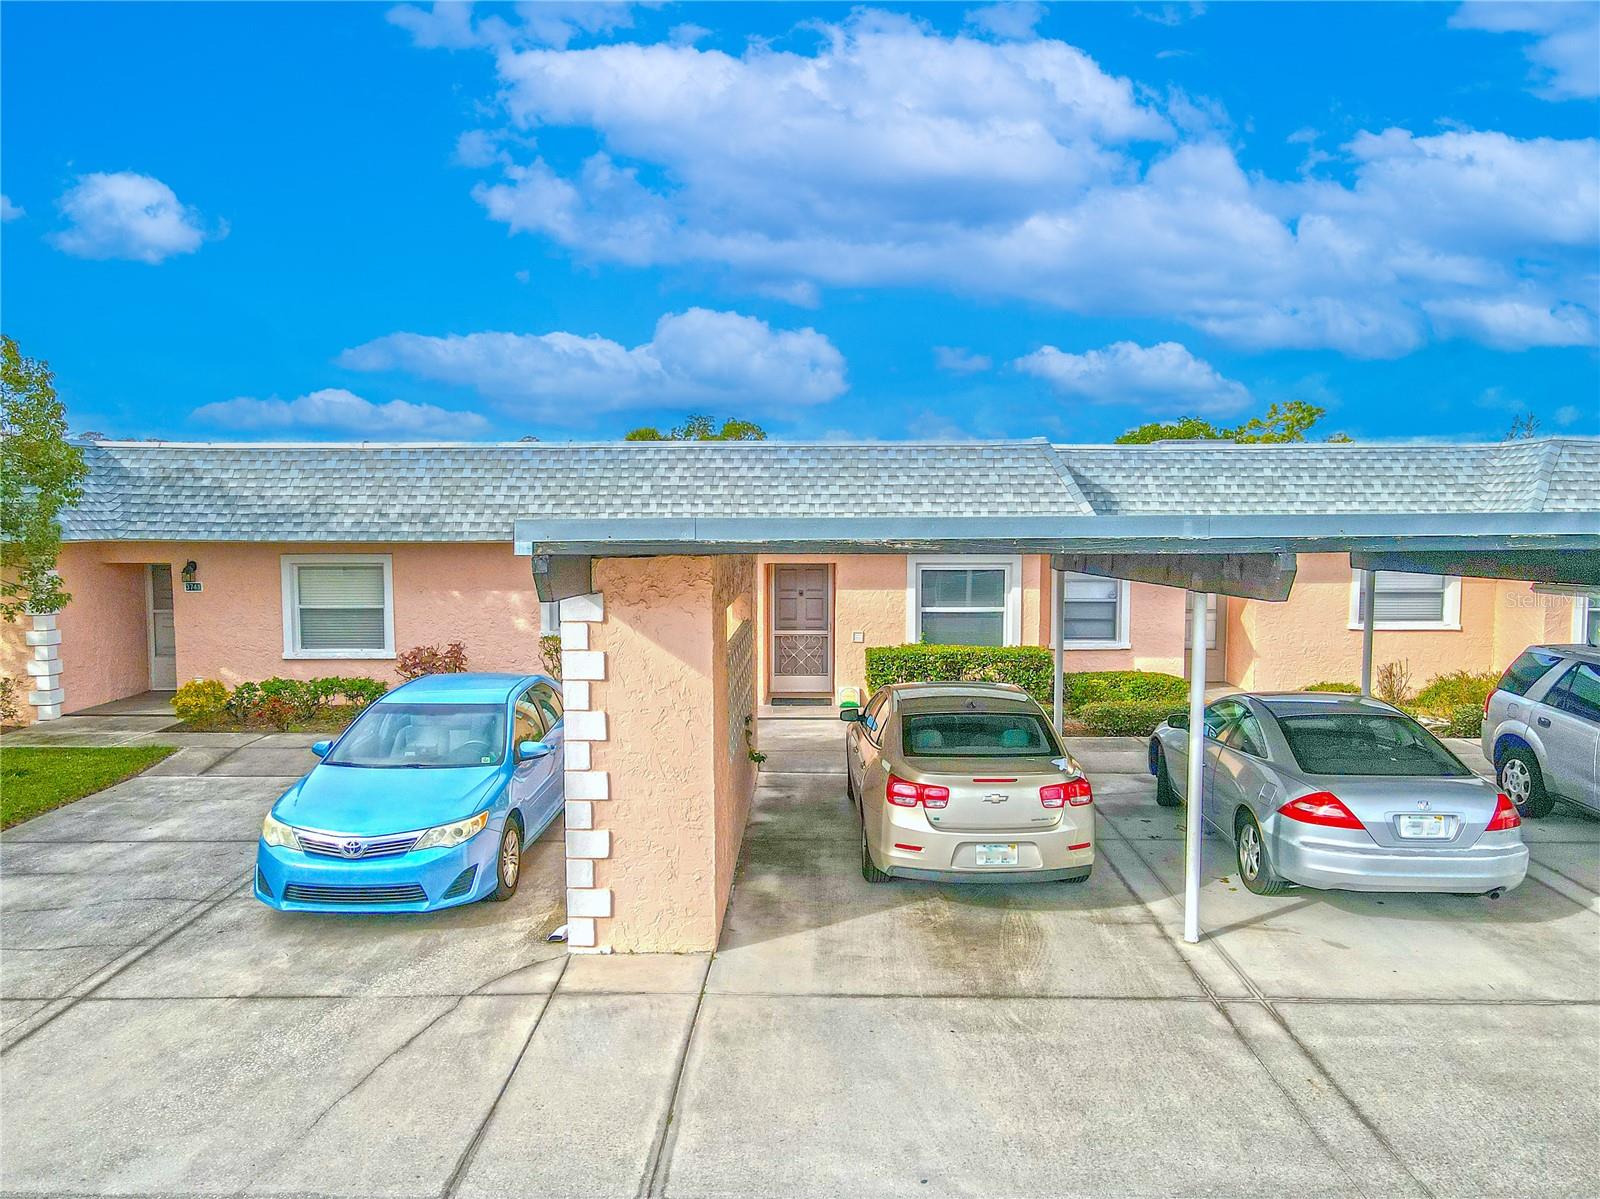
(698, 357)
(1565, 50)
(1568, 415)
(960, 361)
(453, 25)
(1164, 375)
(334, 410)
(1512, 324)
(10, 211)
(1014, 19)
(126, 215)
(893, 156)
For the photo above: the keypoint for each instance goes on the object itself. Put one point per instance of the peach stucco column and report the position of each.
(659, 671)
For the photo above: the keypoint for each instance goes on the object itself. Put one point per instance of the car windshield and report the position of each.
(1370, 743)
(391, 735)
(977, 735)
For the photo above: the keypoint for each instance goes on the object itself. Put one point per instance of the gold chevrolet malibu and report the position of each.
(965, 782)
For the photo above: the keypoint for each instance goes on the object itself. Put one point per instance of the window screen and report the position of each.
(1406, 598)
(340, 606)
(1090, 609)
(960, 606)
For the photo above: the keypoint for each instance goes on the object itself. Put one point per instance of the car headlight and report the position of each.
(276, 832)
(451, 835)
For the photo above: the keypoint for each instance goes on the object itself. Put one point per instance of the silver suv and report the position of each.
(1541, 728)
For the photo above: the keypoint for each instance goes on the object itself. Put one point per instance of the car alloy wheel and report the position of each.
(1250, 852)
(510, 857)
(1514, 777)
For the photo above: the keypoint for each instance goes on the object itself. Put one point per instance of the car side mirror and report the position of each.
(1178, 720)
(852, 714)
(321, 748)
(527, 751)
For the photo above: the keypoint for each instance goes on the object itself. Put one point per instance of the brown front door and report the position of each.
(802, 630)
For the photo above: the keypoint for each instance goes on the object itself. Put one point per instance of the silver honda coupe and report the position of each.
(1342, 793)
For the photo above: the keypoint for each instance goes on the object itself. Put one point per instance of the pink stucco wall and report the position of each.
(733, 695)
(680, 785)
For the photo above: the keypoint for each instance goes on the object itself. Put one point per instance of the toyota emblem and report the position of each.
(351, 849)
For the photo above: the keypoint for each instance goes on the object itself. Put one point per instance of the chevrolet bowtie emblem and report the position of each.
(995, 798)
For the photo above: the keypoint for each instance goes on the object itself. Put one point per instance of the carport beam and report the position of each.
(1196, 766)
(1369, 616)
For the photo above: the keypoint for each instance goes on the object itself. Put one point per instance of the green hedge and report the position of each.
(1028, 666)
(1457, 689)
(1126, 717)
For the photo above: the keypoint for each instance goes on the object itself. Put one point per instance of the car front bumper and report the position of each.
(412, 882)
(1057, 854)
(1498, 860)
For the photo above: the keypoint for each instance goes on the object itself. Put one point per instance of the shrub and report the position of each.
(550, 652)
(301, 698)
(8, 701)
(1463, 720)
(1028, 666)
(200, 699)
(278, 711)
(1341, 688)
(357, 691)
(431, 659)
(244, 700)
(1124, 717)
(1393, 683)
(1459, 688)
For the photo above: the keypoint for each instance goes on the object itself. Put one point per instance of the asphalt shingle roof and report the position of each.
(168, 492)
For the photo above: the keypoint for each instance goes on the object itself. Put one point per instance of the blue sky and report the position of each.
(308, 221)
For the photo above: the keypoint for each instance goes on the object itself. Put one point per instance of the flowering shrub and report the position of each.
(282, 702)
(201, 699)
(431, 659)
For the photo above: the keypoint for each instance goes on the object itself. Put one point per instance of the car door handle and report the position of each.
(1544, 722)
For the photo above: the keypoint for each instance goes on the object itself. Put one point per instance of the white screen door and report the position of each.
(163, 637)
(802, 630)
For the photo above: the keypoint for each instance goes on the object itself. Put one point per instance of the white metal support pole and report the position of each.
(1193, 799)
(1058, 600)
(1369, 610)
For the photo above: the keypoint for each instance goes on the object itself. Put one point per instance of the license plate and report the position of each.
(997, 855)
(1424, 828)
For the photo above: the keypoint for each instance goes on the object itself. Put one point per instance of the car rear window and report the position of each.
(1368, 743)
(977, 735)
(1530, 666)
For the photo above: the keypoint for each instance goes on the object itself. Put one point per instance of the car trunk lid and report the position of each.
(1409, 812)
(991, 795)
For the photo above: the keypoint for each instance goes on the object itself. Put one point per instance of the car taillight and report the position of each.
(1487, 698)
(1322, 808)
(1505, 815)
(905, 794)
(1074, 791)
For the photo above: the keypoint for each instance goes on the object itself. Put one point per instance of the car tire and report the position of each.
(869, 869)
(1166, 794)
(1523, 782)
(508, 860)
(1250, 854)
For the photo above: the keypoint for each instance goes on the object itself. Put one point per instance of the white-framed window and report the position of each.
(1408, 601)
(1094, 612)
(961, 600)
(338, 606)
(1586, 620)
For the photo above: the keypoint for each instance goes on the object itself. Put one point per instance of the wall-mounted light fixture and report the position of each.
(190, 569)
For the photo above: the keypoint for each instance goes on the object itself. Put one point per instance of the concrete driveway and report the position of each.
(166, 1034)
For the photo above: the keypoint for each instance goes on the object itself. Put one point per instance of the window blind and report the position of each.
(341, 606)
(1089, 611)
(1404, 598)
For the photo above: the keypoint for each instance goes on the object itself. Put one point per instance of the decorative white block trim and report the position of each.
(589, 843)
(586, 726)
(42, 670)
(580, 814)
(575, 695)
(46, 653)
(580, 932)
(584, 607)
(54, 696)
(42, 636)
(580, 872)
(44, 621)
(587, 904)
(583, 664)
(577, 755)
(588, 784)
(48, 711)
(574, 634)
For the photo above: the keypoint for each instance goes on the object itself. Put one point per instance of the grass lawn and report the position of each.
(35, 779)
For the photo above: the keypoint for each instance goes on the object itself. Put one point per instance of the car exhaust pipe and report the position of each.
(1497, 893)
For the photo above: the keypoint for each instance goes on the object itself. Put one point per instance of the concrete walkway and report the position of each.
(167, 1035)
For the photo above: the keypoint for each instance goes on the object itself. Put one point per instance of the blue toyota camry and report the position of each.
(425, 802)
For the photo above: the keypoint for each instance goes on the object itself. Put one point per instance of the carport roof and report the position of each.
(654, 497)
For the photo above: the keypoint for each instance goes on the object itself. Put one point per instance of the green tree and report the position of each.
(40, 474)
(1283, 422)
(701, 428)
